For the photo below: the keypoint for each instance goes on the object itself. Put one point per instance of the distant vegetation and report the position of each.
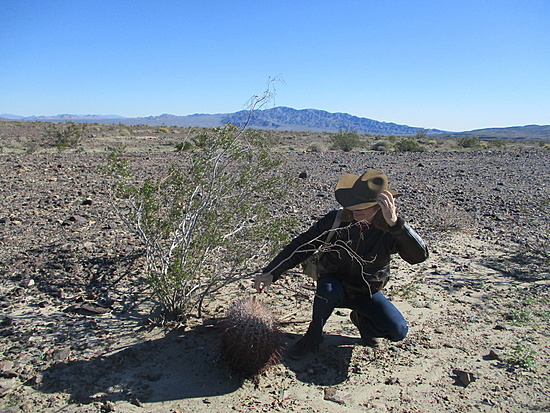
(24, 136)
(345, 140)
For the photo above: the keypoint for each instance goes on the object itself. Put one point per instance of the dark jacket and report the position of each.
(358, 255)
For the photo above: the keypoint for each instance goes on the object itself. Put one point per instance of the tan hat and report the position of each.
(355, 192)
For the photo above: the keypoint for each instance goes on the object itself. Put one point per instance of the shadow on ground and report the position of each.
(527, 266)
(327, 367)
(177, 366)
(181, 366)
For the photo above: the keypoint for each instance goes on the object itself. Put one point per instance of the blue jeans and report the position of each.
(378, 316)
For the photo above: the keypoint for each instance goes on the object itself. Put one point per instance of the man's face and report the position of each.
(366, 214)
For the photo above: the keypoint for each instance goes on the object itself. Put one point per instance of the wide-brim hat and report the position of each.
(356, 192)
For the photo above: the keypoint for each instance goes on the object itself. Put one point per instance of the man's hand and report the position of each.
(262, 282)
(387, 204)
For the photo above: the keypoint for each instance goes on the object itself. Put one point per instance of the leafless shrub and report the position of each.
(317, 147)
(447, 217)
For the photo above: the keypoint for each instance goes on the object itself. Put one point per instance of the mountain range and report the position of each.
(288, 119)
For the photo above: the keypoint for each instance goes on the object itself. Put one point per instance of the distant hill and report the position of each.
(300, 120)
(314, 120)
(513, 132)
(63, 118)
(278, 118)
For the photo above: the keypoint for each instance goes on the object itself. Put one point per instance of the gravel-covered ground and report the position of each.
(74, 304)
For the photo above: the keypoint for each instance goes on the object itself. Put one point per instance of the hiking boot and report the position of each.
(303, 347)
(367, 340)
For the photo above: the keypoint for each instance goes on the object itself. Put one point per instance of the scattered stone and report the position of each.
(76, 219)
(27, 283)
(464, 377)
(6, 386)
(108, 407)
(87, 308)
(6, 369)
(7, 321)
(136, 402)
(61, 354)
(336, 396)
(88, 245)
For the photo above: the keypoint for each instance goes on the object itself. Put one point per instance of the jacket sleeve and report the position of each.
(407, 243)
(301, 247)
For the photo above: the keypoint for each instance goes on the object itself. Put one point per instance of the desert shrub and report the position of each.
(185, 146)
(271, 138)
(203, 220)
(469, 142)
(317, 147)
(409, 144)
(65, 135)
(197, 141)
(447, 217)
(382, 146)
(32, 145)
(345, 140)
(116, 166)
(496, 143)
(421, 134)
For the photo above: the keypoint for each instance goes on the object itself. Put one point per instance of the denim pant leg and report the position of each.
(379, 317)
(329, 295)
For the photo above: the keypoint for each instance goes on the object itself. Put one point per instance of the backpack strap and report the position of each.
(335, 224)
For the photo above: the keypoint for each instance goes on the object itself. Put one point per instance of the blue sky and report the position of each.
(453, 65)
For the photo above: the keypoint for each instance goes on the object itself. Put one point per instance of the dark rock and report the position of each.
(87, 308)
(464, 377)
(61, 354)
(392, 381)
(7, 321)
(77, 219)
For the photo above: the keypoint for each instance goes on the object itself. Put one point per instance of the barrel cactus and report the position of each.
(250, 337)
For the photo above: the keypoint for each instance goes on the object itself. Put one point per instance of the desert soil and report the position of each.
(74, 304)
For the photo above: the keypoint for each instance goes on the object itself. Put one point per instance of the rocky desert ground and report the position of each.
(75, 310)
